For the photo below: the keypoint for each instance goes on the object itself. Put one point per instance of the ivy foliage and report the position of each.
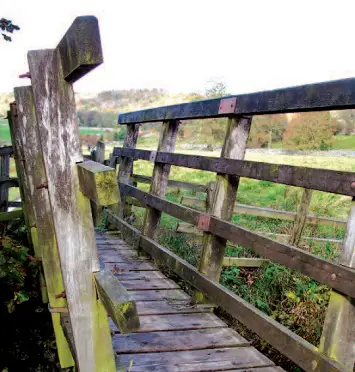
(7, 27)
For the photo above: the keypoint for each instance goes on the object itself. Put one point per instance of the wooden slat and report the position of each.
(196, 360)
(177, 340)
(80, 49)
(117, 302)
(171, 307)
(326, 272)
(60, 142)
(130, 266)
(146, 284)
(159, 294)
(338, 182)
(171, 183)
(167, 140)
(244, 261)
(139, 275)
(259, 369)
(122, 255)
(331, 95)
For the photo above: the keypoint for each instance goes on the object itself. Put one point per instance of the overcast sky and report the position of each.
(180, 45)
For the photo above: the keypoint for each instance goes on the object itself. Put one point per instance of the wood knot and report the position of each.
(333, 276)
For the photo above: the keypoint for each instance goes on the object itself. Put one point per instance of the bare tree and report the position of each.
(7, 27)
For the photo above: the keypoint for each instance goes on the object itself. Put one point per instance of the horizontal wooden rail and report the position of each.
(287, 342)
(6, 150)
(337, 182)
(9, 182)
(332, 95)
(335, 276)
(171, 183)
(188, 228)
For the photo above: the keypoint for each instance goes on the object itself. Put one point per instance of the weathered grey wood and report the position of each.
(139, 275)
(60, 142)
(4, 174)
(171, 183)
(117, 302)
(80, 49)
(171, 307)
(195, 339)
(113, 161)
(6, 150)
(197, 360)
(136, 265)
(252, 210)
(301, 217)
(167, 140)
(100, 152)
(331, 95)
(98, 183)
(126, 168)
(68, 332)
(338, 182)
(143, 284)
(244, 261)
(159, 294)
(337, 339)
(223, 197)
(26, 137)
(326, 272)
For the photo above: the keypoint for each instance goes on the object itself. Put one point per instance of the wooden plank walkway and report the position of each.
(174, 336)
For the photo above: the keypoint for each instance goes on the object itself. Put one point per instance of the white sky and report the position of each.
(180, 45)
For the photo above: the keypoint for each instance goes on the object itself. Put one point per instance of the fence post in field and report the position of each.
(337, 340)
(301, 217)
(125, 169)
(53, 71)
(4, 174)
(25, 138)
(167, 140)
(100, 152)
(223, 199)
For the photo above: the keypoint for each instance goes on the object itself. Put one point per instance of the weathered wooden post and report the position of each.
(52, 73)
(338, 336)
(167, 140)
(100, 152)
(223, 199)
(4, 174)
(301, 217)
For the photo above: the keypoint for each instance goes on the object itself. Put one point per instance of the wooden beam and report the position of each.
(98, 183)
(223, 196)
(44, 239)
(80, 48)
(301, 217)
(58, 131)
(317, 268)
(244, 261)
(12, 215)
(337, 182)
(100, 152)
(4, 174)
(117, 302)
(288, 343)
(6, 150)
(331, 95)
(167, 140)
(171, 183)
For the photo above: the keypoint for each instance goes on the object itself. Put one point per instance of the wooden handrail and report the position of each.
(327, 180)
(335, 276)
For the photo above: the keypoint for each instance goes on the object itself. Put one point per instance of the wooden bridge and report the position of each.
(154, 325)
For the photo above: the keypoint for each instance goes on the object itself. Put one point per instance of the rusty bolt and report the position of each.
(61, 295)
(352, 185)
(26, 75)
(42, 186)
(333, 276)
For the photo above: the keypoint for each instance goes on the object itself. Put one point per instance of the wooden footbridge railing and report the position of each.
(57, 187)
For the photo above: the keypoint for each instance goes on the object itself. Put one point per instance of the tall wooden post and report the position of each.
(4, 174)
(100, 152)
(223, 200)
(338, 336)
(25, 138)
(301, 217)
(52, 74)
(126, 168)
(167, 140)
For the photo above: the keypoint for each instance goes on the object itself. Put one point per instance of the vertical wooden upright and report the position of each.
(25, 137)
(52, 74)
(223, 198)
(4, 174)
(300, 220)
(100, 152)
(338, 336)
(126, 168)
(167, 140)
